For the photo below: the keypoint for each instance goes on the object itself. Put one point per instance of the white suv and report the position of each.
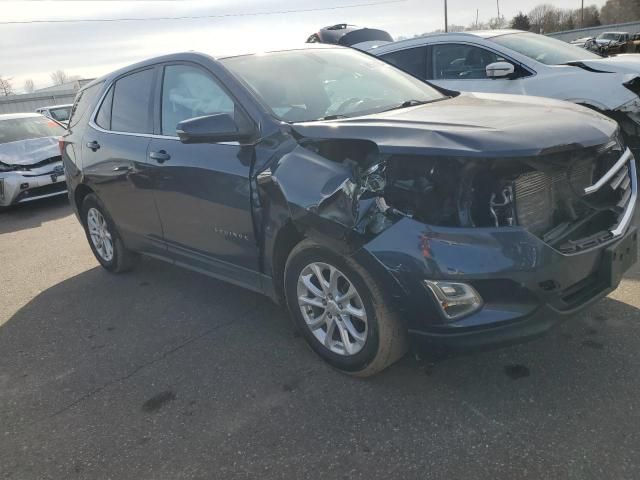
(523, 63)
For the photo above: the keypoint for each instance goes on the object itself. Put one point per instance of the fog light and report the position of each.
(455, 299)
(24, 186)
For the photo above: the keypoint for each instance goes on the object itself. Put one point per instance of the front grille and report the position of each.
(580, 203)
(51, 189)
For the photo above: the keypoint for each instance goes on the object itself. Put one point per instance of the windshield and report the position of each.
(16, 129)
(61, 114)
(544, 49)
(609, 36)
(312, 84)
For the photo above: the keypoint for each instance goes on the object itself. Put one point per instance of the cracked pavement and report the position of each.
(166, 374)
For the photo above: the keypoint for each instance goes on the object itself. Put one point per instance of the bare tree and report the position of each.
(544, 18)
(617, 11)
(29, 87)
(59, 77)
(5, 86)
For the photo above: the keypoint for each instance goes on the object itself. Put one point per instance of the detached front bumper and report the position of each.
(20, 186)
(526, 285)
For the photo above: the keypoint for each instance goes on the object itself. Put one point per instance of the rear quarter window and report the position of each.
(84, 99)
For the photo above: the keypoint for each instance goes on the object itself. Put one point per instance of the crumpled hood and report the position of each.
(473, 124)
(29, 152)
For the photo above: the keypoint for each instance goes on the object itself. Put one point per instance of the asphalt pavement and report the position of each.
(163, 373)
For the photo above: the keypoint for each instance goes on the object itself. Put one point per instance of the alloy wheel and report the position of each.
(332, 308)
(100, 234)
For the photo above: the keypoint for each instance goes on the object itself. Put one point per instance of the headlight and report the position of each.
(455, 299)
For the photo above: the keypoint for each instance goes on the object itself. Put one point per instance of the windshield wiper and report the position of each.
(412, 103)
(335, 116)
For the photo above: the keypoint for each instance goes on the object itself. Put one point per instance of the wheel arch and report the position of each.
(287, 237)
(79, 194)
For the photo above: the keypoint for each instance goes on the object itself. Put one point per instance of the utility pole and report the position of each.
(582, 15)
(498, 5)
(477, 13)
(446, 23)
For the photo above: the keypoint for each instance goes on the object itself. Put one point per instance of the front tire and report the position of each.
(103, 237)
(341, 311)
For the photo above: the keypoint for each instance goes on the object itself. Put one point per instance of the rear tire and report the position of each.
(343, 317)
(103, 237)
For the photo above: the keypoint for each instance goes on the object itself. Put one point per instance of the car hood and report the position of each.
(627, 64)
(29, 152)
(473, 124)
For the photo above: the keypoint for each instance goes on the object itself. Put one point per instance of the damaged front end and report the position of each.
(30, 170)
(513, 236)
(357, 189)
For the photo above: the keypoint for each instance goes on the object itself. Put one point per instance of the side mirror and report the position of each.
(210, 129)
(500, 69)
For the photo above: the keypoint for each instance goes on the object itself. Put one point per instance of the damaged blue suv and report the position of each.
(380, 210)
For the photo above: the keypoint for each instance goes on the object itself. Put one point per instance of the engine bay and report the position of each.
(543, 194)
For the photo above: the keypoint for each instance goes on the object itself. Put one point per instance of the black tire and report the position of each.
(386, 336)
(123, 259)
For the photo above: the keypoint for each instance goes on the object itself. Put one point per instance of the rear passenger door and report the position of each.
(202, 190)
(115, 158)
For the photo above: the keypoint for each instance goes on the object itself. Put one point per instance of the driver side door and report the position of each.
(203, 191)
(462, 67)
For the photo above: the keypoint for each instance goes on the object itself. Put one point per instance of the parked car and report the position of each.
(635, 39)
(523, 63)
(589, 43)
(60, 113)
(350, 36)
(615, 42)
(30, 163)
(376, 207)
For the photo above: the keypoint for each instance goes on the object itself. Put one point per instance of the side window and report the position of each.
(189, 92)
(461, 62)
(84, 99)
(103, 118)
(411, 60)
(130, 110)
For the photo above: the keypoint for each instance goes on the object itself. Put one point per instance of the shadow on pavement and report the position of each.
(33, 214)
(162, 373)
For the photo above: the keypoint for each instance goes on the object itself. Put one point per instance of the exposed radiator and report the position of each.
(544, 198)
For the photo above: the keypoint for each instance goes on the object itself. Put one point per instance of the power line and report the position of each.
(195, 17)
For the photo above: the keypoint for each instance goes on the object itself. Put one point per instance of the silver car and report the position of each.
(30, 162)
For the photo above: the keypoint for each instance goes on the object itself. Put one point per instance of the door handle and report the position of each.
(160, 156)
(93, 145)
(123, 168)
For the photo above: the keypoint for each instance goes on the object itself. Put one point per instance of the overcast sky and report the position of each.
(92, 49)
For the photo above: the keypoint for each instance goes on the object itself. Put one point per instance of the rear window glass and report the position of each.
(83, 101)
(16, 129)
(130, 111)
